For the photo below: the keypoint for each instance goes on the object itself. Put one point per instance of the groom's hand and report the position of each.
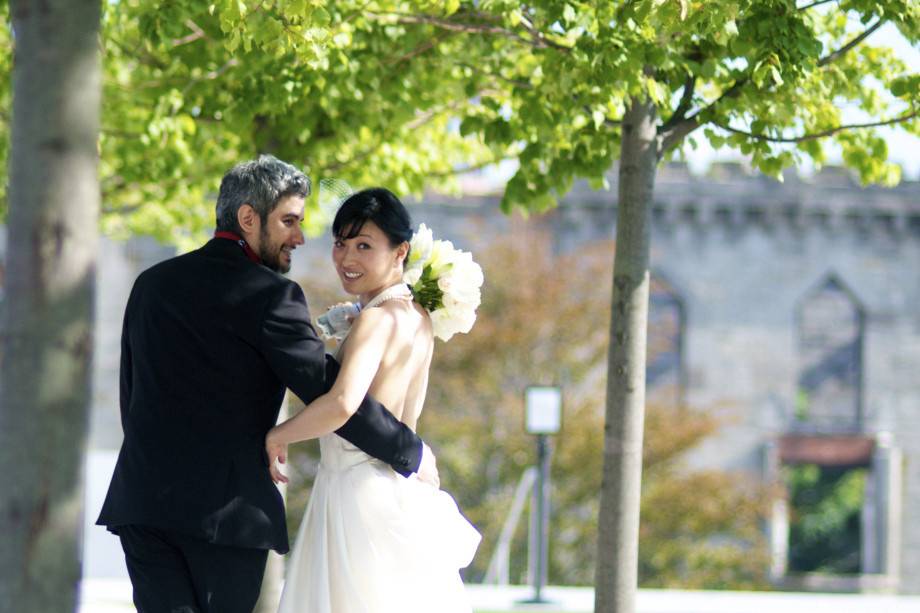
(277, 454)
(428, 469)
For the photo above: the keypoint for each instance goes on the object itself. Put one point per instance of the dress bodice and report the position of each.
(338, 454)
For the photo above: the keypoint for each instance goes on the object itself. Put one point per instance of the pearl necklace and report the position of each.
(394, 292)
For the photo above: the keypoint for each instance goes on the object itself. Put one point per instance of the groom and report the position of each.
(211, 339)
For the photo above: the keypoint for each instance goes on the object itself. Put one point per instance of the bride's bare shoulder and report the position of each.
(404, 319)
(373, 323)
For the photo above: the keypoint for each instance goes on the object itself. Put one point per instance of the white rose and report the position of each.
(442, 257)
(460, 292)
(412, 274)
(468, 270)
(446, 280)
(463, 320)
(441, 324)
(453, 318)
(462, 279)
(421, 244)
(454, 302)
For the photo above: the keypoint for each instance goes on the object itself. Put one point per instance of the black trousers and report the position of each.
(172, 573)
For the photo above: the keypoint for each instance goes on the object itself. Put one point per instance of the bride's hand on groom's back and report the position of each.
(277, 455)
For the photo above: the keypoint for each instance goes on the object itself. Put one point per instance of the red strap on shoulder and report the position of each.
(233, 236)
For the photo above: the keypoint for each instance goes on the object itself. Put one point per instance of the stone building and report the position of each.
(793, 304)
(797, 306)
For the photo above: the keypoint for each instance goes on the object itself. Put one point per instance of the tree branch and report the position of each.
(735, 89)
(529, 26)
(539, 42)
(670, 136)
(478, 166)
(141, 55)
(827, 59)
(197, 33)
(684, 104)
(822, 134)
(423, 48)
(813, 4)
(731, 92)
(668, 139)
(121, 210)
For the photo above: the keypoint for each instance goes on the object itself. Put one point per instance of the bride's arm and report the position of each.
(370, 334)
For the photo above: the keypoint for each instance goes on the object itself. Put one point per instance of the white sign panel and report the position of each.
(544, 410)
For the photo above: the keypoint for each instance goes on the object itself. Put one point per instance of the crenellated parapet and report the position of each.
(731, 196)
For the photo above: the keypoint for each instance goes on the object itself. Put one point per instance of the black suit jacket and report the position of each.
(210, 342)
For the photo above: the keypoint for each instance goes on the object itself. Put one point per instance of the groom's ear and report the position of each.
(248, 219)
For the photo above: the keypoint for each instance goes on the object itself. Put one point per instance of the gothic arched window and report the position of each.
(831, 323)
(665, 337)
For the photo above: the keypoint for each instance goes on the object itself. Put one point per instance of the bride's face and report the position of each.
(368, 263)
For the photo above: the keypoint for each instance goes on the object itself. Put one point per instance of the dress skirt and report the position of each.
(373, 541)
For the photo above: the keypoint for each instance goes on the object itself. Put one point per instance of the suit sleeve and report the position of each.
(297, 355)
(291, 346)
(125, 376)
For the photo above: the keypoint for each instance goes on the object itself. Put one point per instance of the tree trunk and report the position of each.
(618, 520)
(46, 345)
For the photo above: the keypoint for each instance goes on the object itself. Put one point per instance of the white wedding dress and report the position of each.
(373, 541)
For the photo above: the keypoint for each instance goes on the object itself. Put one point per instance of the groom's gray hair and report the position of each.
(261, 184)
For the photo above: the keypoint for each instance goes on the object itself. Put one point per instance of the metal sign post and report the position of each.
(543, 418)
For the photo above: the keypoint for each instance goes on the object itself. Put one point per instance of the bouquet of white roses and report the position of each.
(445, 281)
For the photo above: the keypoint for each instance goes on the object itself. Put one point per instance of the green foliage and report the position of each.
(825, 507)
(700, 529)
(192, 88)
(405, 93)
(6, 105)
(273, 79)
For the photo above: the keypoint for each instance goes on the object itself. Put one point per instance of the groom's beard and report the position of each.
(271, 253)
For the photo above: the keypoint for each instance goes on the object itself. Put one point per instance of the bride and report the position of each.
(372, 541)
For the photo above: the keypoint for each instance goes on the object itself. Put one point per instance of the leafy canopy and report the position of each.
(406, 94)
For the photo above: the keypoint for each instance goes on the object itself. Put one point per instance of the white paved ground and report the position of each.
(579, 600)
(114, 596)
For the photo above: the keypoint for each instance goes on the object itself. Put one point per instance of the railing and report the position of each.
(497, 572)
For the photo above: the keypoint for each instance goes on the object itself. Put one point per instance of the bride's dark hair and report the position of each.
(378, 205)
